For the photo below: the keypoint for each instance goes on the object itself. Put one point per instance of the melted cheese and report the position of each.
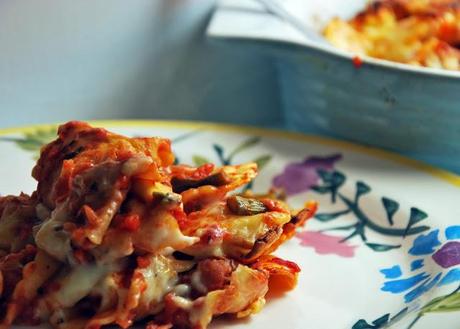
(128, 263)
(51, 237)
(240, 232)
(106, 289)
(160, 279)
(244, 295)
(197, 283)
(160, 230)
(136, 165)
(108, 212)
(77, 284)
(182, 290)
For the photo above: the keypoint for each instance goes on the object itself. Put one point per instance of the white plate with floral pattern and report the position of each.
(383, 250)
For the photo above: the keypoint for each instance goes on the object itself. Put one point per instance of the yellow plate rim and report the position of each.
(442, 174)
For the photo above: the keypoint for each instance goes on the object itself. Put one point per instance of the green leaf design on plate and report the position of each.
(416, 215)
(382, 320)
(248, 143)
(391, 207)
(331, 216)
(33, 141)
(447, 303)
(262, 161)
(220, 154)
(381, 247)
(376, 324)
(362, 324)
(361, 189)
(332, 182)
(321, 189)
(325, 175)
(199, 160)
(185, 136)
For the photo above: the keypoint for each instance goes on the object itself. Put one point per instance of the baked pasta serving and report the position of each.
(419, 32)
(116, 233)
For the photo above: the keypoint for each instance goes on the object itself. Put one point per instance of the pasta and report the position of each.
(116, 233)
(418, 32)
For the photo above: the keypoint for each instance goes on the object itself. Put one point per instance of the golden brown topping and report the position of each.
(418, 32)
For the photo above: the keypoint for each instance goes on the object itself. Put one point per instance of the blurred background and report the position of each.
(62, 60)
(232, 61)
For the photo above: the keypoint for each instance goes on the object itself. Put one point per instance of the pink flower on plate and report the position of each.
(301, 176)
(326, 244)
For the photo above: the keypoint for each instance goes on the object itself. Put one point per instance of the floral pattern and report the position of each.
(429, 252)
(319, 175)
(226, 159)
(301, 176)
(444, 303)
(444, 257)
(434, 253)
(33, 141)
(325, 244)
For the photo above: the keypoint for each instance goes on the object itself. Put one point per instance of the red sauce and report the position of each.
(54, 286)
(123, 182)
(94, 326)
(29, 268)
(212, 235)
(80, 256)
(31, 249)
(203, 171)
(448, 31)
(91, 216)
(274, 205)
(130, 222)
(164, 153)
(143, 262)
(285, 263)
(357, 62)
(180, 217)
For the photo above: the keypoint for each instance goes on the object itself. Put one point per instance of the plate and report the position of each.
(382, 251)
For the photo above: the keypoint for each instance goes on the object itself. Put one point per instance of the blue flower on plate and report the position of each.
(429, 252)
